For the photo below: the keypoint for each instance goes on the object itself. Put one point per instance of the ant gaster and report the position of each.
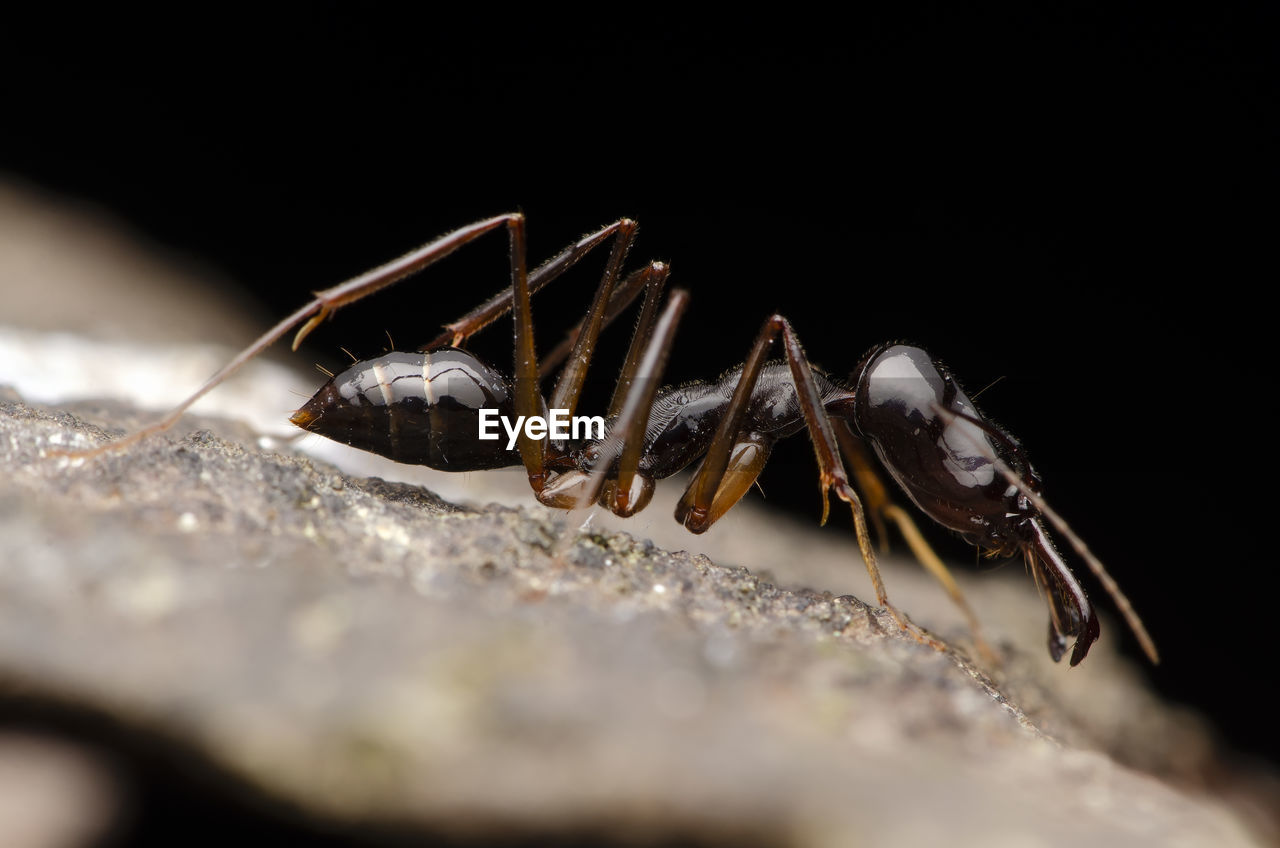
(958, 468)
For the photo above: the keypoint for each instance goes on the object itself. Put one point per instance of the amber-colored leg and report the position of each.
(878, 504)
(876, 498)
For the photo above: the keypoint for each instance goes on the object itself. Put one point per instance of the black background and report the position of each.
(1079, 200)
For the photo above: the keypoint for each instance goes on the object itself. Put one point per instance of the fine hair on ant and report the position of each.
(429, 407)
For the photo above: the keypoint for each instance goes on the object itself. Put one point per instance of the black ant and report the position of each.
(426, 408)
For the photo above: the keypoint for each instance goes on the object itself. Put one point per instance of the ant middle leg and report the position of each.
(528, 396)
(642, 279)
(625, 492)
(568, 389)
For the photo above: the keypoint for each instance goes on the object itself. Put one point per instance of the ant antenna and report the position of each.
(987, 386)
(1095, 565)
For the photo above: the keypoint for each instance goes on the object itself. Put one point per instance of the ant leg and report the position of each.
(569, 384)
(654, 280)
(876, 496)
(528, 400)
(646, 360)
(694, 506)
(314, 312)
(500, 304)
(626, 437)
(626, 292)
(637, 386)
(397, 269)
(694, 509)
(747, 459)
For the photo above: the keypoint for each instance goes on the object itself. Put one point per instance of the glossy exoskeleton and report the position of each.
(947, 466)
(959, 469)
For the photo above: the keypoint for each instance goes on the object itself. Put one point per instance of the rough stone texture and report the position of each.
(289, 642)
(379, 657)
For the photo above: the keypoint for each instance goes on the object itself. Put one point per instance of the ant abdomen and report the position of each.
(414, 408)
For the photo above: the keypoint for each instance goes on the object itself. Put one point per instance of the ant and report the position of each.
(425, 408)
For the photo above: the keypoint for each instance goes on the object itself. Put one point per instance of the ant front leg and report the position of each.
(876, 496)
(735, 459)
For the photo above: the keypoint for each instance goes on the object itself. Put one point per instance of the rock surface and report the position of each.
(387, 662)
(201, 636)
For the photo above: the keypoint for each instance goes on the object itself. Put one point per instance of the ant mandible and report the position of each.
(958, 468)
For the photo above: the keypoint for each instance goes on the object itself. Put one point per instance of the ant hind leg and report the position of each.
(312, 313)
